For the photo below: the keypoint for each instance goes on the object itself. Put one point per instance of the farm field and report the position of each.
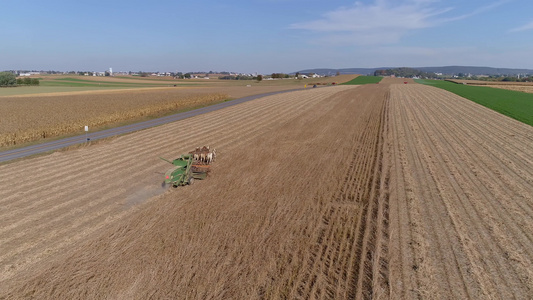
(28, 118)
(516, 105)
(381, 191)
(518, 88)
(73, 84)
(461, 198)
(259, 212)
(526, 87)
(364, 80)
(484, 82)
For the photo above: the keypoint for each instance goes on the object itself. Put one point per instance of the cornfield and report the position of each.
(28, 119)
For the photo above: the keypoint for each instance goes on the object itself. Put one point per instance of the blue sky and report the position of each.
(263, 36)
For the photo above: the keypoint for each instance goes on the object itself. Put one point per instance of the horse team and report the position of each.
(204, 154)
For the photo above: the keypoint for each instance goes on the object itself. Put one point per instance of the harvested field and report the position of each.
(378, 191)
(461, 194)
(526, 87)
(37, 117)
(29, 118)
(273, 220)
(518, 88)
(484, 82)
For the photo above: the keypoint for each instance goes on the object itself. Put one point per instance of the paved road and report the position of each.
(55, 145)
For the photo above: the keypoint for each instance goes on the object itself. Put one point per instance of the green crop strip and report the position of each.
(364, 80)
(517, 105)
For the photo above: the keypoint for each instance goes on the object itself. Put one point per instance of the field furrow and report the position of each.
(462, 198)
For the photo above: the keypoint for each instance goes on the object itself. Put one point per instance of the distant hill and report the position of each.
(447, 70)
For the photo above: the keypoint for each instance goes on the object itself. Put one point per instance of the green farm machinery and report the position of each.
(188, 167)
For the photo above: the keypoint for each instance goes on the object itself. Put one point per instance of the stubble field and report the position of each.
(526, 87)
(45, 114)
(462, 184)
(379, 191)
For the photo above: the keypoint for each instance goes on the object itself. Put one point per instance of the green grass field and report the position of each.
(517, 105)
(51, 84)
(364, 80)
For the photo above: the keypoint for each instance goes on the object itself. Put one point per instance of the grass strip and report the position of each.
(364, 80)
(514, 104)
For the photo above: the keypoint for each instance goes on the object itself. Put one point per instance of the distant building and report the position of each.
(29, 74)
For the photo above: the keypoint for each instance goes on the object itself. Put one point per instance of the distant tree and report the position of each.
(280, 75)
(338, 73)
(8, 79)
(259, 78)
(297, 75)
(404, 72)
(26, 81)
(187, 75)
(35, 81)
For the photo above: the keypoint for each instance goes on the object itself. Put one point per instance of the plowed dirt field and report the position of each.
(380, 191)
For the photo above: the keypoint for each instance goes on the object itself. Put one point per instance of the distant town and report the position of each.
(176, 75)
(450, 72)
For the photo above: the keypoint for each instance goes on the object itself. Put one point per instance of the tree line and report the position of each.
(8, 79)
(405, 72)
